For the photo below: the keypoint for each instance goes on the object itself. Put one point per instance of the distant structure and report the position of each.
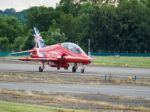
(110, 2)
(113, 2)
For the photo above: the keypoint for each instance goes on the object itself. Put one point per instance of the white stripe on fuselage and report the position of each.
(74, 57)
(38, 52)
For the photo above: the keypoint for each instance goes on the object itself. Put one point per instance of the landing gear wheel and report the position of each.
(82, 70)
(58, 68)
(74, 69)
(40, 69)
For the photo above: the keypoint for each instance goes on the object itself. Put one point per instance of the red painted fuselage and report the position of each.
(59, 55)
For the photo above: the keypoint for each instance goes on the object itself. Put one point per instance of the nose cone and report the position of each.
(89, 59)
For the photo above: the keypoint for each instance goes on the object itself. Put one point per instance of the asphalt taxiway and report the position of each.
(113, 90)
(117, 90)
(90, 70)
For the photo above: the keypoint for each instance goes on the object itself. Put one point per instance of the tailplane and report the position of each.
(39, 42)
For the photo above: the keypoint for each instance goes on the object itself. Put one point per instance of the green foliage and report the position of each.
(54, 36)
(125, 28)
(134, 26)
(10, 27)
(29, 41)
(4, 44)
(19, 43)
(18, 107)
(41, 17)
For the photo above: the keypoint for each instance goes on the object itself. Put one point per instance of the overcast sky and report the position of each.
(19, 5)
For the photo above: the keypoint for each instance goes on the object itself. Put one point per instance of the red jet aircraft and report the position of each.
(58, 55)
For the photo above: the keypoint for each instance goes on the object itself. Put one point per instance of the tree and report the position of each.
(54, 34)
(134, 25)
(41, 17)
(10, 27)
(19, 43)
(4, 44)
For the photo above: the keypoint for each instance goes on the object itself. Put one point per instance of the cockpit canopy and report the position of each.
(73, 47)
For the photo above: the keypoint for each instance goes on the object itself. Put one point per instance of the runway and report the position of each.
(115, 90)
(90, 70)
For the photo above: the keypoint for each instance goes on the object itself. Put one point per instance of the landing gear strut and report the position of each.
(75, 67)
(41, 68)
(83, 69)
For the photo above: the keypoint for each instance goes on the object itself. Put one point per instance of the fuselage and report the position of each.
(64, 52)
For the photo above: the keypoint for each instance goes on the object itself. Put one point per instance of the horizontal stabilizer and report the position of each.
(23, 53)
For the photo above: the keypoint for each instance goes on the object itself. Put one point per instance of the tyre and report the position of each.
(40, 69)
(82, 70)
(74, 69)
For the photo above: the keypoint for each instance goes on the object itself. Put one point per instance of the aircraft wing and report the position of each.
(38, 59)
(54, 57)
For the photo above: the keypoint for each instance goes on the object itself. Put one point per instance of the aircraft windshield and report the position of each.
(73, 47)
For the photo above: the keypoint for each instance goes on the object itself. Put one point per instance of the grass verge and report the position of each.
(120, 61)
(56, 78)
(20, 107)
(78, 102)
(143, 62)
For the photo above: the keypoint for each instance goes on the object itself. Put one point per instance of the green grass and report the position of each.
(122, 61)
(143, 62)
(18, 107)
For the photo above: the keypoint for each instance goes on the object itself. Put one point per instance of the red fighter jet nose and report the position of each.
(90, 59)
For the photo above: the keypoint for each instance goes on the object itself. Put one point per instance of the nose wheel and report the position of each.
(83, 69)
(75, 67)
(40, 69)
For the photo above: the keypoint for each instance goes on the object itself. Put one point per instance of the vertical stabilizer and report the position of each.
(39, 42)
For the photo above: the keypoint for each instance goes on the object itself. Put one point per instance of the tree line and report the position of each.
(121, 28)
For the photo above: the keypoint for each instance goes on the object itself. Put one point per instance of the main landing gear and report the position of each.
(41, 68)
(75, 67)
(82, 69)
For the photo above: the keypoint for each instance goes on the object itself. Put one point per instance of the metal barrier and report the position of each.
(2, 54)
(120, 54)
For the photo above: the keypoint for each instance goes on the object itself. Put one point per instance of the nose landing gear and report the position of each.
(75, 67)
(83, 69)
(40, 69)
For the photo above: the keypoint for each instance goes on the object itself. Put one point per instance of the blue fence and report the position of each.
(121, 54)
(4, 54)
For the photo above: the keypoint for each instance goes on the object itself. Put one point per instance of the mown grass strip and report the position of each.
(19, 107)
(143, 62)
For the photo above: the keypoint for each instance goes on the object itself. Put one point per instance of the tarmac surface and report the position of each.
(90, 70)
(114, 90)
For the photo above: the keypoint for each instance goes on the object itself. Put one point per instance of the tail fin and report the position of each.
(39, 42)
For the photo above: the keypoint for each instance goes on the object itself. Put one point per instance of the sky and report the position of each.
(19, 5)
